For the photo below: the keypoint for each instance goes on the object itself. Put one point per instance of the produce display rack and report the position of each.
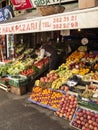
(43, 105)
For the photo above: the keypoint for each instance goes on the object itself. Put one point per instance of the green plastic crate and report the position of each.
(18, 81)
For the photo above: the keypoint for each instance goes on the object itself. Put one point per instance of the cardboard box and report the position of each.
(18, 90)
(87, 3)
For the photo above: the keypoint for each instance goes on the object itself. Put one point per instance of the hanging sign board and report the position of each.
(63, 21)
(20, 27)
(22, 4)
(48, 2)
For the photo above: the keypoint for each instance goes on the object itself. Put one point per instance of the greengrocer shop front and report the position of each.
(71, 90)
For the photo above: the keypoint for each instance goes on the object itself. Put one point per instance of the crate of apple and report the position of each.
(85, 119)
(67, 106)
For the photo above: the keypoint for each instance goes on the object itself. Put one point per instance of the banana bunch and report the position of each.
(57, 83)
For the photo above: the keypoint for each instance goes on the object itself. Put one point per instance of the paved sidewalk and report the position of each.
(16, 113)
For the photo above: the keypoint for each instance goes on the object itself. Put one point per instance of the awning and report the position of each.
(29, 23)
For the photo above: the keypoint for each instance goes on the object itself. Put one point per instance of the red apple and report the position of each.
(83, 128)
(93, 119)
(80, 114)
(96, 115)
(86, 125)
(95, 124)
(96, 120)
(78, 122)
(62, 88)
(79, 126)
(83, 123)
(81, 118)
(66, 88)
(91, 127)
(89, 117)
(92, 114)
(95, 128)
(85, 116)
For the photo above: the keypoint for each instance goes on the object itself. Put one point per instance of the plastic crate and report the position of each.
(18, 81)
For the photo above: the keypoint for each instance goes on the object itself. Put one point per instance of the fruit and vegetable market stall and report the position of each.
(71, 90)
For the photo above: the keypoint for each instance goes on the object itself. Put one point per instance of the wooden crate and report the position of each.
(87, 3)
(18, 90)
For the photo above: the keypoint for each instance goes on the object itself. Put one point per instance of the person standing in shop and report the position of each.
(49, 51)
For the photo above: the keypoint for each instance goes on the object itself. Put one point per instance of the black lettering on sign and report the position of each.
(40, 2)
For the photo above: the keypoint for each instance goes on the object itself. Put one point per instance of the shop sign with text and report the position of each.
(70, 21)
(24, 27)
(60, 22)
(48, 2)
(63, 21)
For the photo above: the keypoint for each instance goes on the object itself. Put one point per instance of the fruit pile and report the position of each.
(67, 106)
(46, 82)
(42, 62)
(81, 71)
(85, 119)
(50, 77)
(90, 57)
(75, 56)
(76, 65)
(46, 96)
(55, 99)
(27, 72)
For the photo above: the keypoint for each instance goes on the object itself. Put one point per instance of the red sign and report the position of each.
(22, 4)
